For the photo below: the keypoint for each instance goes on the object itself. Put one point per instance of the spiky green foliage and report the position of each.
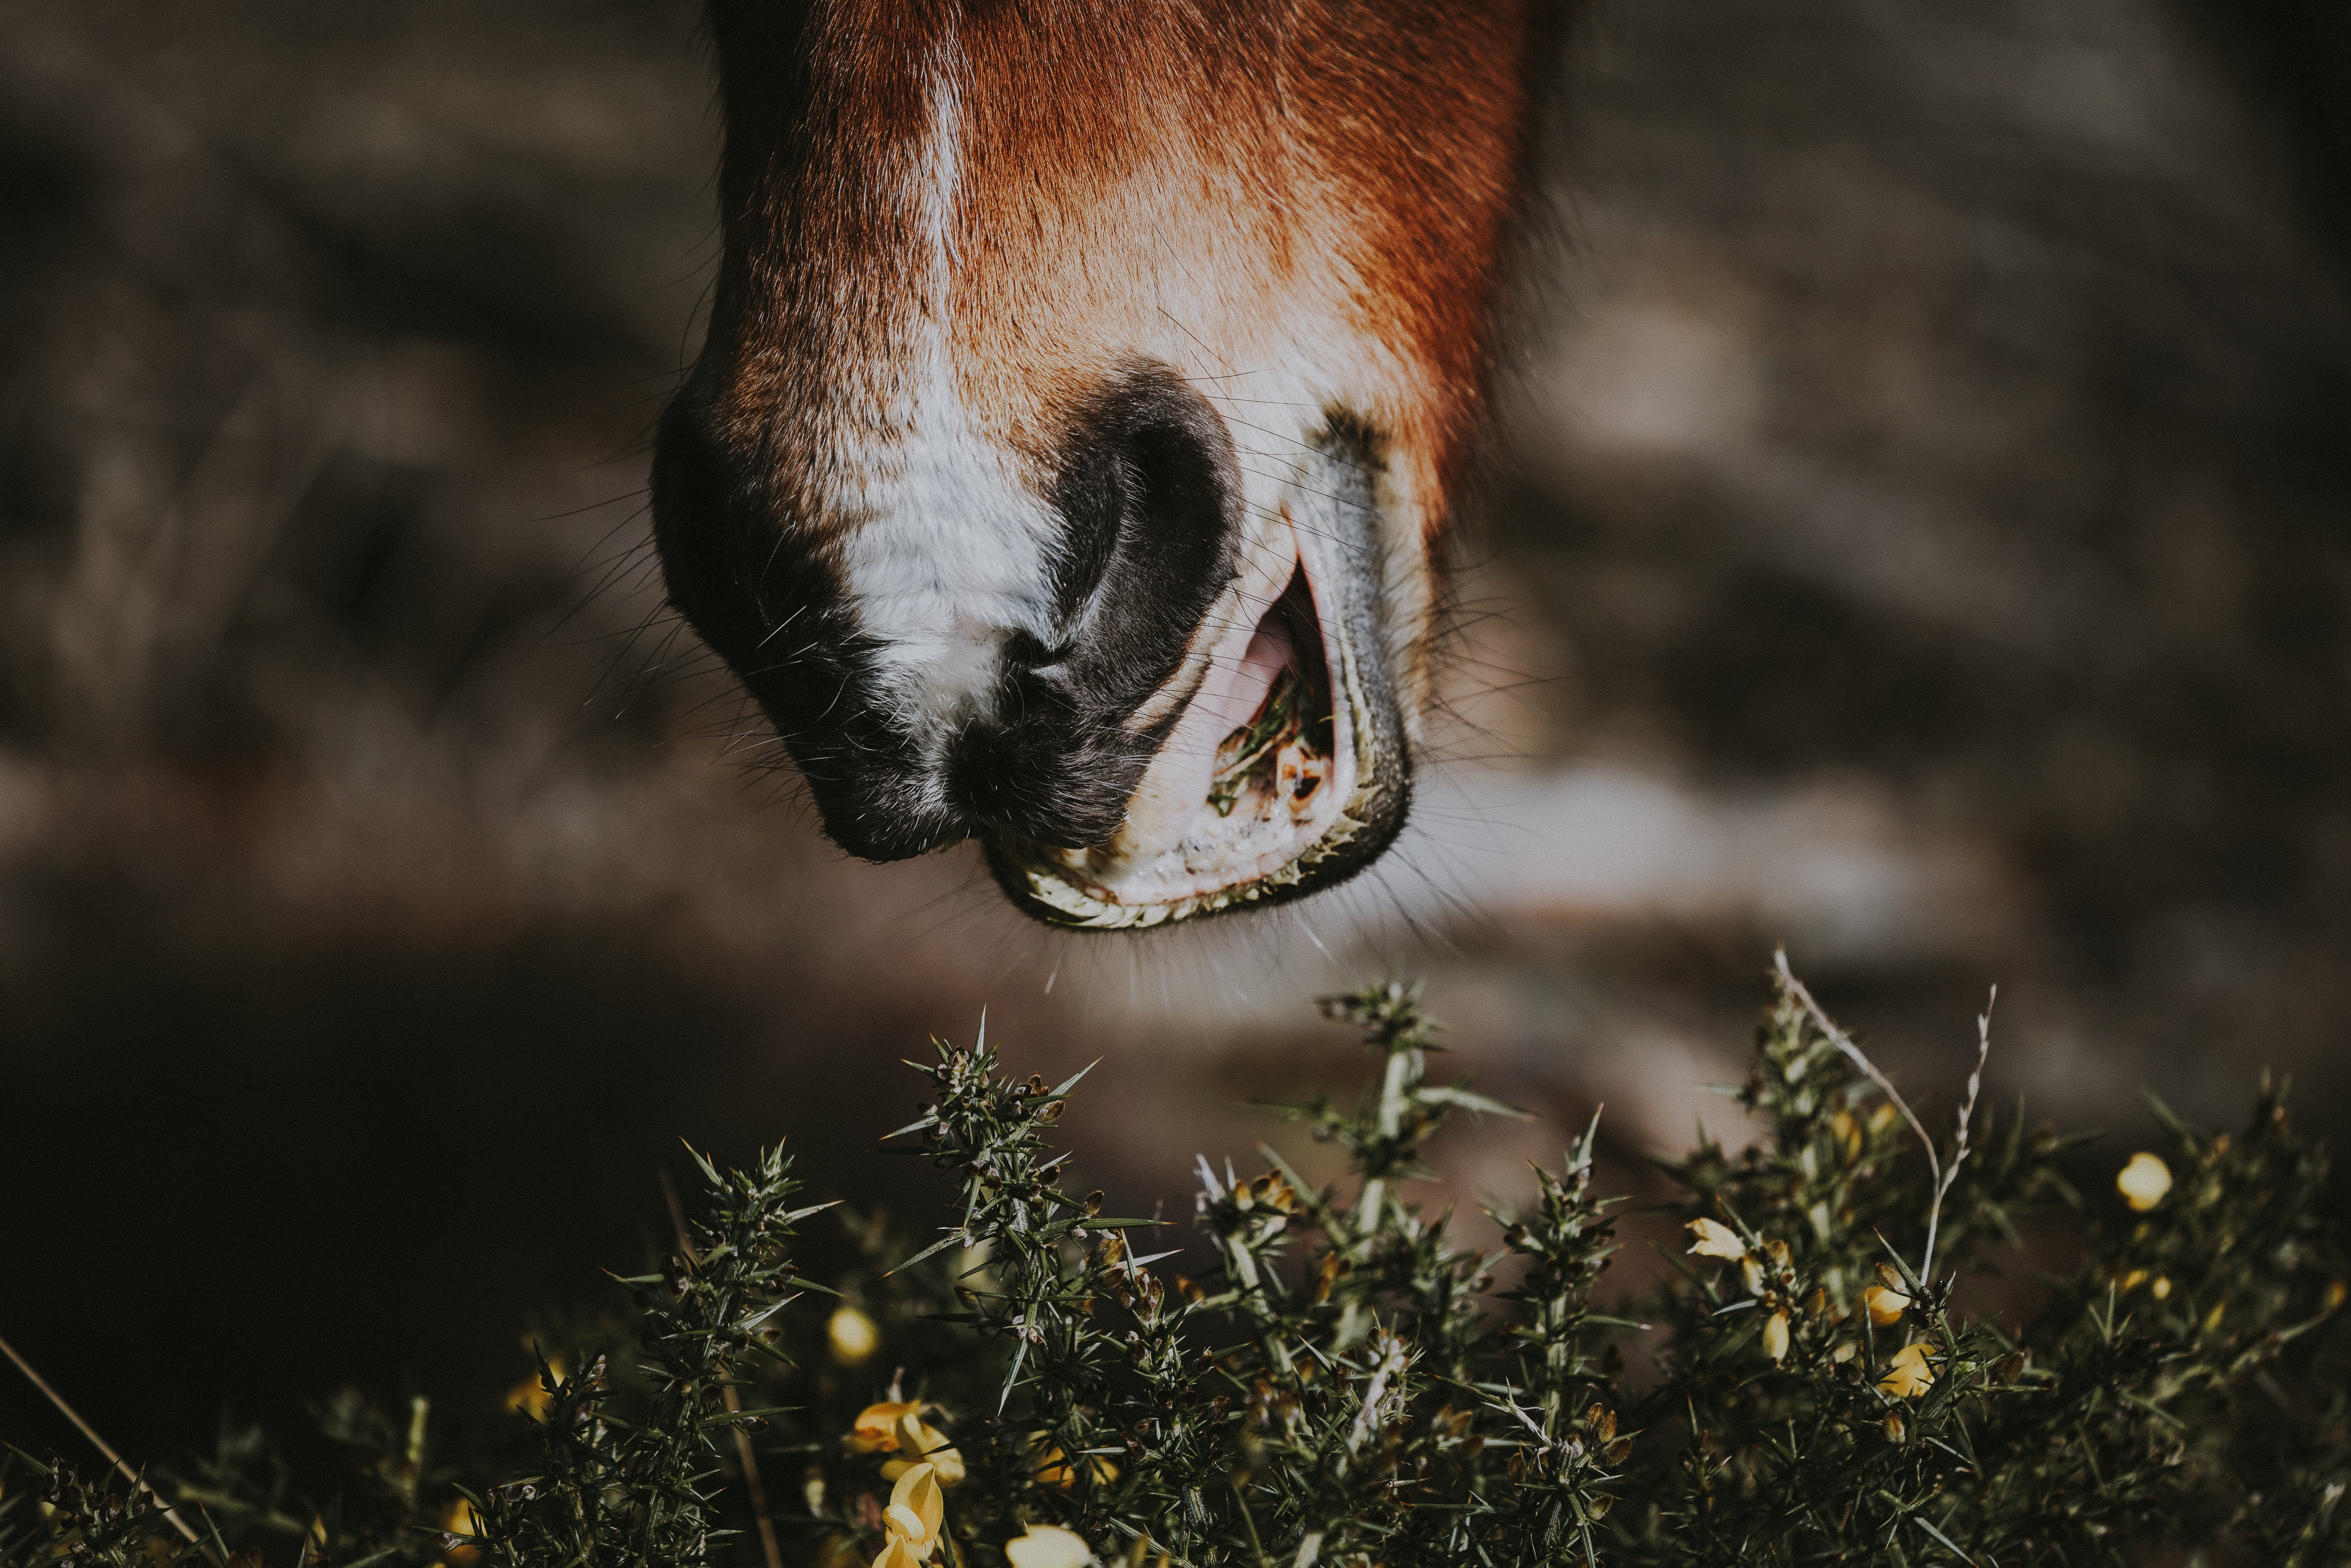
(393, 1489)
(50, 1513)
(392, 1496)
(1331, 1391)
(1347, 1388)
(1349, 1383)
(2136, 1409)
(615, 1487)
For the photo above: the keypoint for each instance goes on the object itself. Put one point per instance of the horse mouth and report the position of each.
(1282, 772)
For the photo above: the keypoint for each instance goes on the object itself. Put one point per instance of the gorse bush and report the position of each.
(1347, 1383)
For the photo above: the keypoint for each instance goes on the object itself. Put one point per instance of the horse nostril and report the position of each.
(1149, 504)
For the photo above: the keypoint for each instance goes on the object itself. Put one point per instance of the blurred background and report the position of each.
(1917, 534)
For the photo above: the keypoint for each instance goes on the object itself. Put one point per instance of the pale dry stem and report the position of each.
(1844, 1042)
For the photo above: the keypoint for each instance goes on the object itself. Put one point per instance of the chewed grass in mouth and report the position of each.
(1281, 758)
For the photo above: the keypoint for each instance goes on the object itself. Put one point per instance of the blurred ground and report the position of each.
(1917, 536)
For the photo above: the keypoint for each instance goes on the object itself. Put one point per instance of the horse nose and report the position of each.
(912, 734)
(1149, 504)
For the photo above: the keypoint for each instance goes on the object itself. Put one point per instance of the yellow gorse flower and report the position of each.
(1048, 1546)
(876, 1431)
(918, 1445)
(1054, 1469)
(1909, 1376)
(1886, 1306)
(1847, 1133)
(912, 1519)
(897, 1427)
(1711, 1238)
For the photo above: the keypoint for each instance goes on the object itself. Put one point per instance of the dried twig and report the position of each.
(1844, 1042)
(1960, 1149)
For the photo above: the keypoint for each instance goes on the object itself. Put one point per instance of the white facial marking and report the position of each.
(948, 551)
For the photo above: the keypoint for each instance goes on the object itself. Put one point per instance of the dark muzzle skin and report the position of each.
(1148, 511)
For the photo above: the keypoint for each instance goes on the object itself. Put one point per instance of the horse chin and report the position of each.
(1283, 770)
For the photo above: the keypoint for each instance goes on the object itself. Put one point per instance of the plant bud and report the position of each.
(2144, 1181)
(850, 1335)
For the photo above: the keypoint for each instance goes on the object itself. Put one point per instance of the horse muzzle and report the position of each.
(1150, 698)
